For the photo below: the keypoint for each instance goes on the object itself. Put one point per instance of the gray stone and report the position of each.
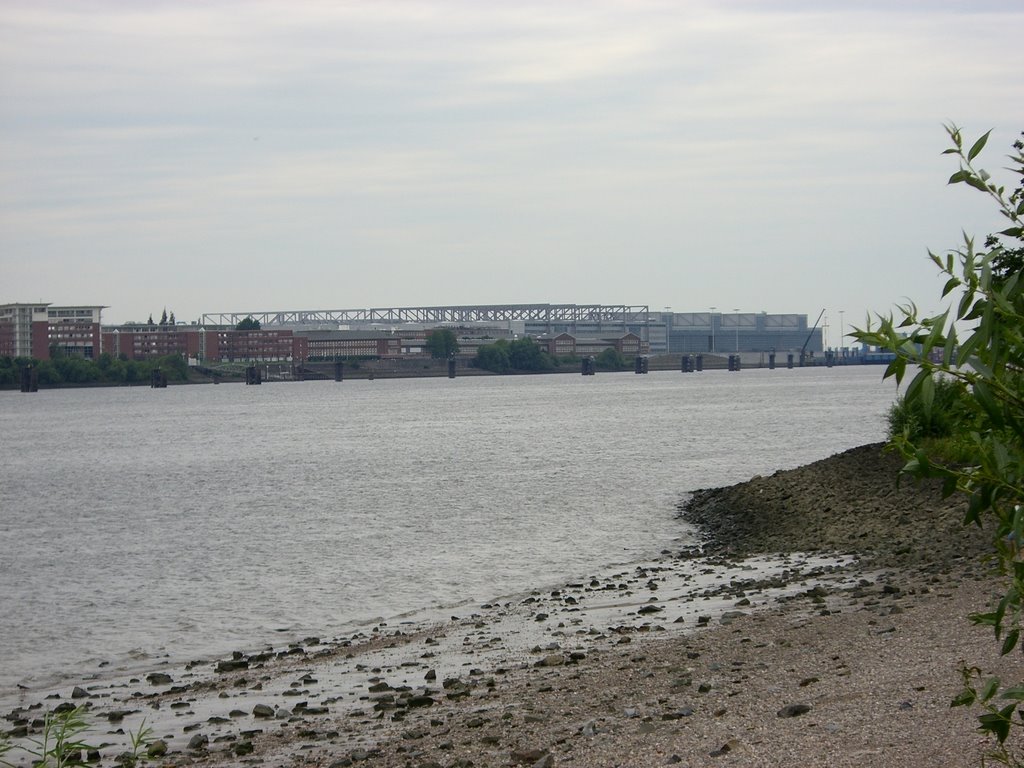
(527, 756)
(199, 741)
(794, 710)
(230, 665)
(262, 710)
(159, 678)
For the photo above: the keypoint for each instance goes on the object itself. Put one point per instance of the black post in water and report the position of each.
(451, 368)
(739, 363)
(29, 379)
(771, 361)
(789, 360)
(732, 363)
(252, 375)
(829, 359)
(339, 370)
(158, 379)
(700, 363)
(587, 366)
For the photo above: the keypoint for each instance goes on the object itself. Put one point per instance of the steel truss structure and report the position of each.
(483, 313)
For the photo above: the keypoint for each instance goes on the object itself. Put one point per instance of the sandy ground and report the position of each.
(720, 657)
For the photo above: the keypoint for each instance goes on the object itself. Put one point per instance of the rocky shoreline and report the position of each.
(821, 622)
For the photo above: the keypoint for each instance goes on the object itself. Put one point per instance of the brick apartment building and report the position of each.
(32, 330)
(565, 344)
(139, 342)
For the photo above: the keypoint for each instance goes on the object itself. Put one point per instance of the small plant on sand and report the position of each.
(61, 742)
(139, 741)
(987, 359)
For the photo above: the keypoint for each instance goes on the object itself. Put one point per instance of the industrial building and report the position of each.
(33, 330)
(663, 332)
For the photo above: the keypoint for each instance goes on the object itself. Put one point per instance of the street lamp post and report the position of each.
(711, 319)
(842, 331)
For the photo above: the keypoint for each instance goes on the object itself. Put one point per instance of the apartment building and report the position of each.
(33, 330)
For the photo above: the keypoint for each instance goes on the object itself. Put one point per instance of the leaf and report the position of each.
(998, 724)
(977, 183)
(958, 177)
(965, 698)
(927, 395)
(983, 619)
(990, 688)
(1010, 642)
(978, 146)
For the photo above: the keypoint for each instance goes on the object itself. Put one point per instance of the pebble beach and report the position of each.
(822, 622)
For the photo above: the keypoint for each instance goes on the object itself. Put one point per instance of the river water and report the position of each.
(140, 524)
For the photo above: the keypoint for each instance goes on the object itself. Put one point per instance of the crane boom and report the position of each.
(813, 329)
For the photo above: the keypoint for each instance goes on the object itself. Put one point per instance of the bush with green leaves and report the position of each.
(978, 342)
(610, 359)
(951, 414)
(522, 354)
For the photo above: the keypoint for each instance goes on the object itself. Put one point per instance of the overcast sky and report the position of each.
(235, 156)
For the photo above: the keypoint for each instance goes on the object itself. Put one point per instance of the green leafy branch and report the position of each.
(989, 360)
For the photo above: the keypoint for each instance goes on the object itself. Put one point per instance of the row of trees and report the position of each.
(961, 418)
(525, 355)
(519, 355)
(106, 369)
(165, 319)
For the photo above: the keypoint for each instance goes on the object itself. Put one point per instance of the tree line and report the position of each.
(105, 369)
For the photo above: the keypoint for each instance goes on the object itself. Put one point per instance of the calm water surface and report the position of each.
(187, 522)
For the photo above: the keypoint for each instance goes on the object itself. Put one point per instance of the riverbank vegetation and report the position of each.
(961, 419)
(521, 355)
(64, 369)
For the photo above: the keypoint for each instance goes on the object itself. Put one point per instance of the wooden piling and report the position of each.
(29, 379)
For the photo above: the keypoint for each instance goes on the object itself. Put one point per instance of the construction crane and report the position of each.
(814, 327)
